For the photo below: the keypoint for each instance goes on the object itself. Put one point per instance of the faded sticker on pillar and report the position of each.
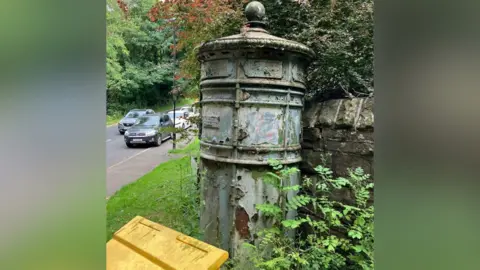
(298, 73)
(263, 128)
(216, 69)
(211, 121)
(263, 69)
(294, 131)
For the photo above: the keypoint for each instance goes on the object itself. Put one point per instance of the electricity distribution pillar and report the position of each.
(252, 90)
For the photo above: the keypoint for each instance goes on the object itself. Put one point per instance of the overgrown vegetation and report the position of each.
(139, 61)
(335, 234)
(192, 149)
(167, 195)
(197, 21)
(140, 67)
(341, 34)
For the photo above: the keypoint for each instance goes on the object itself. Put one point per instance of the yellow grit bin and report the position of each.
(143, 244)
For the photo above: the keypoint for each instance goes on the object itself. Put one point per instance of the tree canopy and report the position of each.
(140, 68)
(139, 61)
(341, 34)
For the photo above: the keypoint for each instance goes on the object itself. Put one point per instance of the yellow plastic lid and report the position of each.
(143, 244)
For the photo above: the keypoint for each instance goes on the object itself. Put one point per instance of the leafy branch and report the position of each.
(334, 234)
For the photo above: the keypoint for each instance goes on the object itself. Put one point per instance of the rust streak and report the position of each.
(241, 222)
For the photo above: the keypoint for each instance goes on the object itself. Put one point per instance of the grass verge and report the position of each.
(113, 119)
(191, 149)
(167, 195)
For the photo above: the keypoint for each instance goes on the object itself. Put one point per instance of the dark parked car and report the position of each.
(149, 129)
(130, 119)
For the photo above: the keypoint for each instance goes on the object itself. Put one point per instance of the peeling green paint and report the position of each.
(258, 174)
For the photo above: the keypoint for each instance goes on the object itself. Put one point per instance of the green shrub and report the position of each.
(335, 234)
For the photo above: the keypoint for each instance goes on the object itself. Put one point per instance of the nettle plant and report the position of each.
(331, 233)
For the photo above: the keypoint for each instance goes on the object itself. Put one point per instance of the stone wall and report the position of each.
(342, 128)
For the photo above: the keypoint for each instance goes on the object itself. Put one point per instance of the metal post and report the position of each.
(174, 133)
(175, 94)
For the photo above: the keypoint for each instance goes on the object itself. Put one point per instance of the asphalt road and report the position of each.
(125, 165)
(117, 151)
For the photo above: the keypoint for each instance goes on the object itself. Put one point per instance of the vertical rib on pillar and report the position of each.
(252, 87)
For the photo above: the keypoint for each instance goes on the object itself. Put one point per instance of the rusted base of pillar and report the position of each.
(230, 193)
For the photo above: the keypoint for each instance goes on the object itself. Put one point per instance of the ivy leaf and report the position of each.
(342, 182)
(298, 201)
(336, 214)
(358, 248)
(276, 263)
(296, 256)
(272, 179)
(331, 243)
(346, 210)
(323, 170)
(273, 175)
(360, 221)
(293, 223)
(275, 164)
(355, 234)
(249, 246)
(322, 186)
(359, 171)
(269, 210)
(294, 188)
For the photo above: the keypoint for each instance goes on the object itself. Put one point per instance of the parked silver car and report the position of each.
(130, 118)
(149, 129)
(180, 119)
(191, 111)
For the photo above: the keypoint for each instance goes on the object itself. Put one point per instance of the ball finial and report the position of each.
(255, 11)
